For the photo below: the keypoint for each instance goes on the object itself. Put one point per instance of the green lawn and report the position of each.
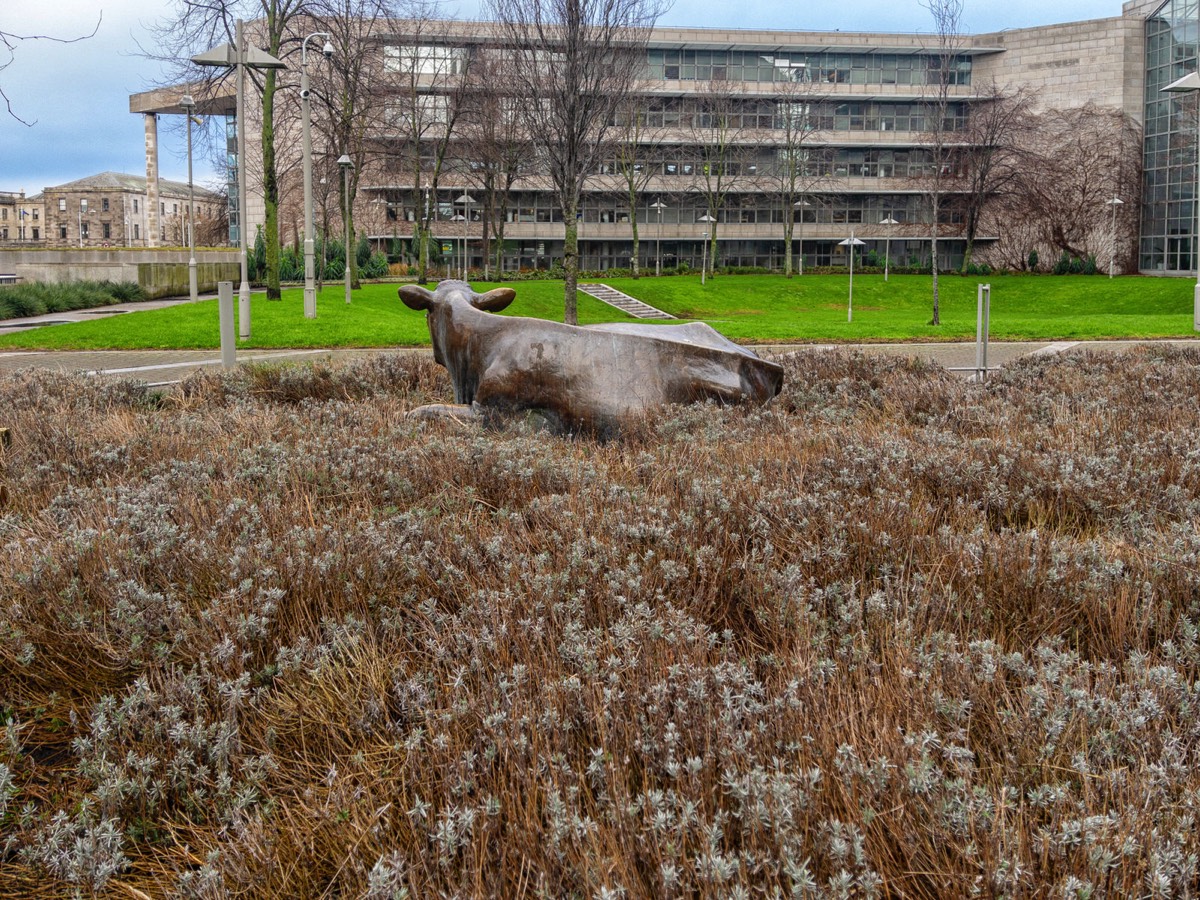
(743, 307)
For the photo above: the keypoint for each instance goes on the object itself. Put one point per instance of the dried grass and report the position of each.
(895, 635)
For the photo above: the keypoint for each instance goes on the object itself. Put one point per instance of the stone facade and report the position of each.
(22, 219)
(115, 210)
(1099, 61)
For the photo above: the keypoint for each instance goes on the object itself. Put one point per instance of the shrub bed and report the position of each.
(894, 635)
(36, 298)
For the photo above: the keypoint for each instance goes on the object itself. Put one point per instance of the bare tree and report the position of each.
(992, 154)
(195, 27)
(941, 74)
(573, 63)
(8, 53)
(429, 81)
(800, 113)
(347, 90)
(635, 146)
(715, 128)
(213, 230)
(495, 147)
(1078, 160)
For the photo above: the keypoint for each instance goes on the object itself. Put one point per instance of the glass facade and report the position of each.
(833, 68)
(1168, 233)
(231, 176)
(769, 115)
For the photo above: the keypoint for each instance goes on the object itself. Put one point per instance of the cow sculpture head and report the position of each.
(449, 293)
(452, 310)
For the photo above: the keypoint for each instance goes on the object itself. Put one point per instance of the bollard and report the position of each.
(225, 307)
(983, 317)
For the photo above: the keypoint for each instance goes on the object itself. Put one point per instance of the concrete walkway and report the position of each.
(161, 367)
(8, 326)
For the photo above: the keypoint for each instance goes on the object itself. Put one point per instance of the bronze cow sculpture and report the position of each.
(588, 378)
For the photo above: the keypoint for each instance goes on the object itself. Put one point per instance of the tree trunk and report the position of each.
(933, 263)
(420, 201)
(270, 187)
(789, 225)
(570, 267)
(489, 213)
(969, 250)
(421, 249)
(633, 260)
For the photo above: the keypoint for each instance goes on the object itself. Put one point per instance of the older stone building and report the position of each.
(115, 210)
(20, 218)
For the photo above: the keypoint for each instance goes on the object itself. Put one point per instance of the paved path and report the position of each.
(8, 326)
(168, 366)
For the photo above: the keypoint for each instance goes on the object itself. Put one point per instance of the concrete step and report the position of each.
(629, 305)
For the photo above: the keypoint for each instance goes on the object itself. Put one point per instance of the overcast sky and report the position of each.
(77, 95)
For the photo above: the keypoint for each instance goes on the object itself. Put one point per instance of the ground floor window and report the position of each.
(668, 255)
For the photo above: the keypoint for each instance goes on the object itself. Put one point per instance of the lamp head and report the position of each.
(187, 102)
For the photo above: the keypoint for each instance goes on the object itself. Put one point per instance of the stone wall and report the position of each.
(1098, 61)
(162, 273)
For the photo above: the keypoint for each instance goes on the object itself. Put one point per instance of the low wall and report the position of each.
(161, 273)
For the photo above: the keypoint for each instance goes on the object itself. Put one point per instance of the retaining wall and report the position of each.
(161, 273)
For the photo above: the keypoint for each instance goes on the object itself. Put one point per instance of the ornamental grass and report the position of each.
(894, 635)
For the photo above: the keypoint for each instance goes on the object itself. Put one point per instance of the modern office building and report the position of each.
(867, 162)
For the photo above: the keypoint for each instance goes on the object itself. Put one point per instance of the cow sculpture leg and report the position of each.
(457, 413)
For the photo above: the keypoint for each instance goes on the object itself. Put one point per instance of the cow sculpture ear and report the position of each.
(416, 297)
(494, 300)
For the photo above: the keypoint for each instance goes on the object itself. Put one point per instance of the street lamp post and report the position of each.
(324, 231)
(457, 217)
(850, 243)
(800, 206)
(1112, 234)
(659, 206)
(189, 106)
(310, 286)
(243, 247)
(1191, 83)
(239, 56)
(427, 225)
(887, 245)
(346, 164)
(466, 200)
(704, 250)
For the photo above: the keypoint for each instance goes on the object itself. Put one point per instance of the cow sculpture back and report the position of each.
(591, 378)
